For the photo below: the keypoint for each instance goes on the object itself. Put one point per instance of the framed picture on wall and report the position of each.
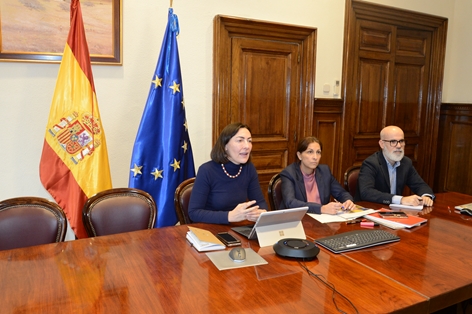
(36, 30)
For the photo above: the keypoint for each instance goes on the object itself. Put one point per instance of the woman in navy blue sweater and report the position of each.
(227, 188)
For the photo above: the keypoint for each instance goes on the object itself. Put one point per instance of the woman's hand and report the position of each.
(331, 208)
(254, 214)
(349, 205)
(245, 211)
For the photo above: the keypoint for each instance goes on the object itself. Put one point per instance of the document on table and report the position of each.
(325, 218)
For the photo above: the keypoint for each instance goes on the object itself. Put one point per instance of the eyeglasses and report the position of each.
(394, 143)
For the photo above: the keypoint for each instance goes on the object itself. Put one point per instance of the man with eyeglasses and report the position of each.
(384, 174)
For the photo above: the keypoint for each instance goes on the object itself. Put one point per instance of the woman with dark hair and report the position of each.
(227, 187)
(307, 183)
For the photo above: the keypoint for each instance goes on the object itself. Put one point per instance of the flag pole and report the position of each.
(171, 3)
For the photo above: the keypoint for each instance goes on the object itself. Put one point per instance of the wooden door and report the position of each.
(393, 70)
(264, 77)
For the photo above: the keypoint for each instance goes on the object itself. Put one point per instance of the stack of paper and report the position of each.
(397, 223)
(204, 240)
(346, 216)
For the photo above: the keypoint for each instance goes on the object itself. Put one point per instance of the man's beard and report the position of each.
(394, 156)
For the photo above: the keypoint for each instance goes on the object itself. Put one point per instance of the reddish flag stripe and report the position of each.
(57, 176)
(74, 163)
(78, 43)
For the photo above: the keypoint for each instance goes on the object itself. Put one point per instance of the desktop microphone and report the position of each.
(296, 248)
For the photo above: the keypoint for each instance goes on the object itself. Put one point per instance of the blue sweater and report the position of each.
(214, 194)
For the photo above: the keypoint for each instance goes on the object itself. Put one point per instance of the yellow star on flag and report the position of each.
(185, 147)
(175, 88)
(176, 165)
(186, 125)
(157, 81)
(136, 169)
(157, 173)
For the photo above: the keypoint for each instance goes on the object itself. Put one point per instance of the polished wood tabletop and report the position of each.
(157, 271)
(433, 259)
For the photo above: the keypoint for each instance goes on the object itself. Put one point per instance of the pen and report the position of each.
(354, 221)
(342, 206)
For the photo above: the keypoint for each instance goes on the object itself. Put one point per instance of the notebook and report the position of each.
(273, 226)
(397, 223)
(203, 240)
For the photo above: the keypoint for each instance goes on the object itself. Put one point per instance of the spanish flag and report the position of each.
(74, 163)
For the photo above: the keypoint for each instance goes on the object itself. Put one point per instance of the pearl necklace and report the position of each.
(235, 176)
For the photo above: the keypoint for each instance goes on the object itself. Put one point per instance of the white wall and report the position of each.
(458, 70)
(26, 89)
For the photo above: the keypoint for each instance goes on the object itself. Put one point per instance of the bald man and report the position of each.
(384, 174)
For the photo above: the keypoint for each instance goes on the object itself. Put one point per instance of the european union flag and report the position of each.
(162, 155)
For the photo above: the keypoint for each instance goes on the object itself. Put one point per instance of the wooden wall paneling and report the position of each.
(327, 122)
(459, 175)
(454, 155)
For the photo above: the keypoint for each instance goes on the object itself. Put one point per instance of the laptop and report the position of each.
(273, 226)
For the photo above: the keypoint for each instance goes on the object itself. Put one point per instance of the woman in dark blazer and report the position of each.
(307, 183)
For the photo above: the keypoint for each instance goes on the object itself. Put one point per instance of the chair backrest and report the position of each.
(118, 210)
(182, 200)
(28, 221)
(275, 192)
(350, 179)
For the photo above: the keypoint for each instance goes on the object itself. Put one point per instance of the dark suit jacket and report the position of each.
(374, 183)
(294, 192)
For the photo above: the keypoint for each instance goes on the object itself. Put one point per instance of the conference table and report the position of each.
(158, 271)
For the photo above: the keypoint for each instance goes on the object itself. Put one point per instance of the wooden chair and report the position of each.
(350, 179)
(28, 221)
(118, 210)
(182, 200)
(275, 192)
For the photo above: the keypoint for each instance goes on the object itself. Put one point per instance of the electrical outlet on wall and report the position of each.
(326, 89)
(336, 88)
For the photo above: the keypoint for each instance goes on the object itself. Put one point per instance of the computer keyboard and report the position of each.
(356, 240)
